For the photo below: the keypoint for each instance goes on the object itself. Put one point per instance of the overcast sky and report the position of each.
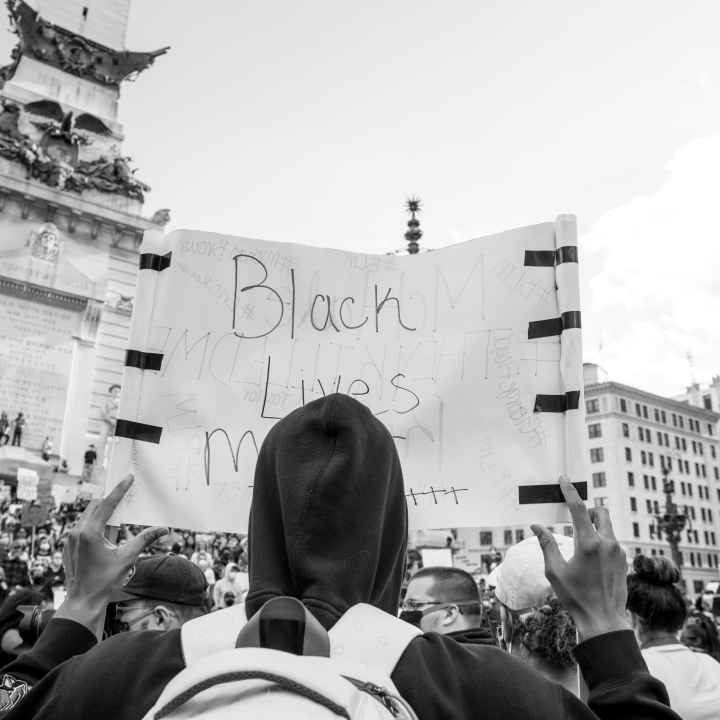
(312, 122)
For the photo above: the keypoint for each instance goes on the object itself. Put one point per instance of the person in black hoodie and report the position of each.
(328, 525)
(447, 600)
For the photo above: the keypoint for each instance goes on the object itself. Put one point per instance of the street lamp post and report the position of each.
(672, 522)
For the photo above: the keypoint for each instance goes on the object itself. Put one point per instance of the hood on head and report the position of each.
(328, 521)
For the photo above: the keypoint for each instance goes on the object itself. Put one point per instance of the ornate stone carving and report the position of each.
(53, 160)
(72, 53)
(45, 243)
(119, 303)
(161, 217)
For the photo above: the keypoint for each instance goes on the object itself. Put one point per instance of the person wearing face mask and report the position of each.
(15, 567)
(446, 600)
(164, 593)
(231, 582)
(37, 576)
(44, 549)
(55, 572)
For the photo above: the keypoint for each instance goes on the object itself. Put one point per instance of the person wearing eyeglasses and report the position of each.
(164, 592)
(446, 600)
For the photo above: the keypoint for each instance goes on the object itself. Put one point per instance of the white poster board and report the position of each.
(27, 484)
(470, 355)
(437, 557)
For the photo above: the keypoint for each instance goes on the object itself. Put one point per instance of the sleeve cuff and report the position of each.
(62, 639)
(610, 656)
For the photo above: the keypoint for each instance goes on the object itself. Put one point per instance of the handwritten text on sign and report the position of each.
(436, 345)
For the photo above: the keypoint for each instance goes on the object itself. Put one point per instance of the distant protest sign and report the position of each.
(470, 355)
(27, 484)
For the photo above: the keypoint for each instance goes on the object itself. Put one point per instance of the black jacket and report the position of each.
(328, 525)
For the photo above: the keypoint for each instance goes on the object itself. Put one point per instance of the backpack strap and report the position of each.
(371, 637)
(211, 633)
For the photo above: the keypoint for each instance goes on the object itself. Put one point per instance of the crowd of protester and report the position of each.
(559, 629)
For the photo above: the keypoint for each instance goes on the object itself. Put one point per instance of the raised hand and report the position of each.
(592, 585)
(94, 567)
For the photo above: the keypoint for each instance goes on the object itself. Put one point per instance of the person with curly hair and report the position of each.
(701, 635)
(657, 612)
(534, 625)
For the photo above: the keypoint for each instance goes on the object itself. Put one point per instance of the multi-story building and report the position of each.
(633, 436)
(707, 396)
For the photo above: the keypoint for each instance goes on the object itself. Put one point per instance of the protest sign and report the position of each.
(64, 494)
(470, 355)
(27, 484)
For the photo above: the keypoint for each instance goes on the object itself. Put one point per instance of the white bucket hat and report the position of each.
(520, 582)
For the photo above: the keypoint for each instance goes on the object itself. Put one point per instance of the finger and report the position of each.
(143, 540)
(578, 511)
(601, 519)
(554, 560)
(107, 506)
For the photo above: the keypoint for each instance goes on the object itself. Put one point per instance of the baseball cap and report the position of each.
(170, 578)
(520, 582)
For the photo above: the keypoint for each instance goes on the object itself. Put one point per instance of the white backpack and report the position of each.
(224, 682)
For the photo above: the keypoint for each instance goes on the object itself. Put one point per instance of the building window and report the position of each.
(703, 470)
(645, 412)
(680, 466)
(600, 501)
(652, 482)
(677, 442)
(716, 472)
(697, 470)
(519, 535)
(633, 504)
(631, 482)
(623, 405)
(599, 479)
(681, 421)
(595, 430)
(641, 434)
(667, 440)
(651, 532)
(486, 537)
(712, 452)
(694, 447)
(636, 529)
(643, 457)
(710, 429)
(592, 406)
(687, 467)
(638, 410)
(646, 482)
(628, 454)
(656, 414)
(651, 460)
(626, 431)
(656, 505)
(659, 438)
(663, 417)
(689, 487)
(691, 511)
(596, 455)
(649, 507)
(682, 487)
(684, 444)
(692, 559)
(700, 449)
(507, 537)
(674, 420)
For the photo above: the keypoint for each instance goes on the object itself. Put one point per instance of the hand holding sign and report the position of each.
(93, 566)
(592, 584)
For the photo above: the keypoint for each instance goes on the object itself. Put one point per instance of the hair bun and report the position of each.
(657, 569)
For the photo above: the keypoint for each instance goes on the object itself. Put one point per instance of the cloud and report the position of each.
(650, 274)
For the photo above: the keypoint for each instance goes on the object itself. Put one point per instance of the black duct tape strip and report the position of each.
(150, 261)
(557, 403)
(138, 431)
(553, 326)
(143, 360)
(537, 494)
(565, 254)
(550, 258)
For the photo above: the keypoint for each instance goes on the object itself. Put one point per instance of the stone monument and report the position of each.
(71, 221)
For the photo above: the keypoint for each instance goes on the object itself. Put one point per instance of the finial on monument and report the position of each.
(414, 233)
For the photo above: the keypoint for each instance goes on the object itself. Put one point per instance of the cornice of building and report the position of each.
(643, 395)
